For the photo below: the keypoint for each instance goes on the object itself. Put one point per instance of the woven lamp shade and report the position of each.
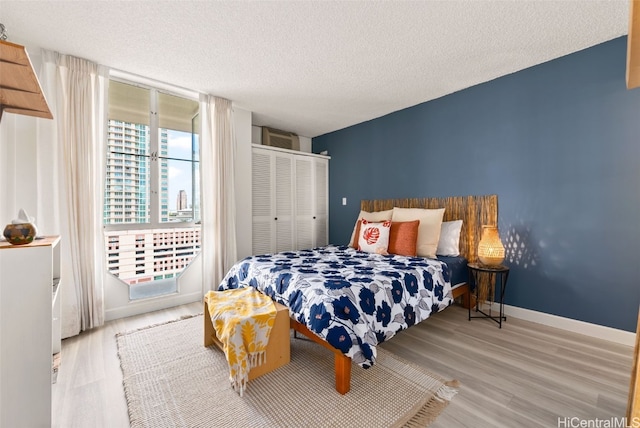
(490, 249)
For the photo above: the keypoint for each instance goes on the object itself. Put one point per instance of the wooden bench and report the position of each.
(278, 348)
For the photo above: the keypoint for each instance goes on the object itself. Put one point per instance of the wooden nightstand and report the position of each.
(495, 275)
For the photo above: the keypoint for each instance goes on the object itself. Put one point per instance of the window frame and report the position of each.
(155, 184)
(155, 180)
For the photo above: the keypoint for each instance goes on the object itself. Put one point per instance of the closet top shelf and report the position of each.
(20, 90)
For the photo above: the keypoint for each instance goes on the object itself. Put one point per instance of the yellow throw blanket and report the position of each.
(242, 319)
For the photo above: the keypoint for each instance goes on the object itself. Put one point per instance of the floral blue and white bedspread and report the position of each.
(351, 299)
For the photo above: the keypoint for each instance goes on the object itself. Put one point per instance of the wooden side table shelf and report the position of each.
(498, 275)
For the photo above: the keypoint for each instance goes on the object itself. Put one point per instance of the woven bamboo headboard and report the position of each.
(474, 211)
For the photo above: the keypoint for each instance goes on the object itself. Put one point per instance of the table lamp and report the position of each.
(490, 249)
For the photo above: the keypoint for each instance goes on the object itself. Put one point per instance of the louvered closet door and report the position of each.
(283, 202)
(290, 206)
(261, 187)
(321, 206)
(304, 203)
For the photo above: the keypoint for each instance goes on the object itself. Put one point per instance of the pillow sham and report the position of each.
(376, 216)
(403, 238)
(429, 229)
(449, 243)
(374, 237)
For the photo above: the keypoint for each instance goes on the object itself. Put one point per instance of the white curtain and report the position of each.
(71, 187)
(217, 190)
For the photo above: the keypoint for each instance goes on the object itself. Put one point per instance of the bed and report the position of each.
(349, 301)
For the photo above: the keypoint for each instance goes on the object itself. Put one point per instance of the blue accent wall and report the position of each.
(559, 143)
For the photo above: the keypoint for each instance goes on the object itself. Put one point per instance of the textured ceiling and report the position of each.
(313, 67)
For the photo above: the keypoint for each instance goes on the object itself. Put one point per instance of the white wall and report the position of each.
(26, 165)
(18, 168)
(27, 181)
(118, 305)
(244, 232)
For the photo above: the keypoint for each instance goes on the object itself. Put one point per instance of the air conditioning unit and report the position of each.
(281, 139)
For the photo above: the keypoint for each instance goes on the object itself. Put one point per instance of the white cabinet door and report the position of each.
(283, 209)
(272, 198)
(321, 205)
(311, 202)
(263, 223)
(304, 203)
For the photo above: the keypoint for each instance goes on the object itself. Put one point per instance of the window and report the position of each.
(151, 187)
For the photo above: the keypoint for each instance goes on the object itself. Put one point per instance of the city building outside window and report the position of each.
(151, 204)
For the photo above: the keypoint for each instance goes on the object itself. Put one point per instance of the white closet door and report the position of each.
(321, 206)
(283, 202)
(304, 203)
(290, 205)
(261, 187)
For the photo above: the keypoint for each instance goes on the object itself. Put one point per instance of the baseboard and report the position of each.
(593, 330)
(149, 305)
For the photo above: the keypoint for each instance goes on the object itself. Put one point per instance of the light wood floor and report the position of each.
(525, 375)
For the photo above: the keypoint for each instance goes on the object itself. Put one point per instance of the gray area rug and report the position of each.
(172, 380)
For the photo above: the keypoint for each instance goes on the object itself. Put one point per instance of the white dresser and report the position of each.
(29, 330)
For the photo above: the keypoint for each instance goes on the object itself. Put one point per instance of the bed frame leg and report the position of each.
(343, 373)
(342, 363)
(468, 300)
(466, 297)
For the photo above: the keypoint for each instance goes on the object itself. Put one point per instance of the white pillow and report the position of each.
(375, 216)
(374, 237)
(429, 229)
(449, 243)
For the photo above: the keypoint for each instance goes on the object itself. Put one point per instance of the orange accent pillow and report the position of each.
(403, 238)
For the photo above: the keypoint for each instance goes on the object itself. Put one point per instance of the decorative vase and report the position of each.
(490, 249)
(20, 234)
